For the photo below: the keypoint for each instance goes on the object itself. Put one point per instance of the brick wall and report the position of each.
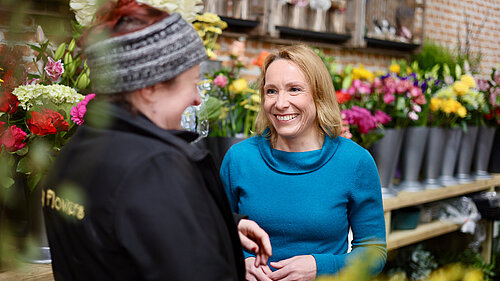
(442, 19)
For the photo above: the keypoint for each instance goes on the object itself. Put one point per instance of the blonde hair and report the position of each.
(325, 100)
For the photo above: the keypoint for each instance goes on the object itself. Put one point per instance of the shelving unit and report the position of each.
(401, 238)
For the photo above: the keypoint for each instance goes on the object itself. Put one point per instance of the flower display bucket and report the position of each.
(298, 17)
(434, 157)
(412, 154)
(484, 144)
(451, 147)
(465, 155)
(386, 154)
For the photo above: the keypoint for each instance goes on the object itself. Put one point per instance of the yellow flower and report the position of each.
(468, 80)
(435, 104)
(211, 54)
(408, 70)
(461, 111)
(255, 98)
(201, 33)
(362, 73)
(208, 17)
(238, 85)
(213, 29)
(474, 274)
(460, 88)
(395, 68)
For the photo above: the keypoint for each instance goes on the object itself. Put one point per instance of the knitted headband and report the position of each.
(145, 57)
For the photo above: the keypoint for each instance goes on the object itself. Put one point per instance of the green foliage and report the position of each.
(433, 54)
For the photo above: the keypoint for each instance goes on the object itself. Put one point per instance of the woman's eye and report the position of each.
(295, 89)
(270, 91)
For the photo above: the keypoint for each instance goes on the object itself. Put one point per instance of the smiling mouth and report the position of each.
(286, 117)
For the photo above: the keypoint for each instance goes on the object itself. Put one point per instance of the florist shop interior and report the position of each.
(417, 81)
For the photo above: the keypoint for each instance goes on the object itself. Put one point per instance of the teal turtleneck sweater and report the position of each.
(306, 201)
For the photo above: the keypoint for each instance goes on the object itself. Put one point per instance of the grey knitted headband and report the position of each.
(143, 58)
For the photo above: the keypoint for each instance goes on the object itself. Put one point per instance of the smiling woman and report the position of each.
(313, 185)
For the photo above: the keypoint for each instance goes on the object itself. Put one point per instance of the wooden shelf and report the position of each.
(405, 199)
(29, 271)
(400, 238)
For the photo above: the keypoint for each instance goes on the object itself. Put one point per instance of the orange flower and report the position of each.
(259, 61)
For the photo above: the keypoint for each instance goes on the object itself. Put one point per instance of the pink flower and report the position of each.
(389, 98)
(420, 100)
(54, 69)
(483, 85)
(496, 77)
(237, 48)
(78, 111)
(382, 117)
(416, 108)
(220, 80)
(360, 117)
(377, 83)
(351, 91)
(413, 115)
(13, 138)
(415, 91)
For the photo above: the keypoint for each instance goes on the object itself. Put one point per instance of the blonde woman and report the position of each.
(302, 182)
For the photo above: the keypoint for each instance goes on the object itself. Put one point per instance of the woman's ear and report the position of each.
(146, 94)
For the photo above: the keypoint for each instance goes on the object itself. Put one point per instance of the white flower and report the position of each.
(85, 10)
(413, 116)
(30, 95)
(186, 8)
(416, 108)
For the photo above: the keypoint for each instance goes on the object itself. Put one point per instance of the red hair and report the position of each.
(122, 17)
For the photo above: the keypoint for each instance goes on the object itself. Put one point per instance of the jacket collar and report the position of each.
(106, 115)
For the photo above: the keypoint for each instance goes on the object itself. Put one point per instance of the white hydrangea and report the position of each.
(85, 10)
(31, 95)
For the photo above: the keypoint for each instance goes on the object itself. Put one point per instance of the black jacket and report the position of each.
(130, 201)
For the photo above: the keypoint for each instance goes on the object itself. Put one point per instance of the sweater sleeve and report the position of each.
(366, 219)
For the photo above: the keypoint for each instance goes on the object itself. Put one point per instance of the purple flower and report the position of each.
(424, 86)
(382, 117)
(54, 69)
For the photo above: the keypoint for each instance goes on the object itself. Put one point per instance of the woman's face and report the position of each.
(289, 103)
(171, 99)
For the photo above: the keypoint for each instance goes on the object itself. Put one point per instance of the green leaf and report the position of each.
(458, 71)
(35, 48)
(347, 82)
(23, 166)
(446, 70)
(33, 180)
(60, 51)
(23, 151)
(6, 182)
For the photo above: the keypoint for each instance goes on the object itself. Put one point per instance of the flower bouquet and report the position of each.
(38, 117)
(491, 89)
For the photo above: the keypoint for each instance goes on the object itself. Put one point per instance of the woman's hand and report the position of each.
(254, 273)
(301, 268)
(255, 239)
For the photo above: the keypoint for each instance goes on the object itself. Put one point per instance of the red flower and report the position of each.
(13, 138)
(47, 122)
(8, 102)
(343, 97)
(259, 61)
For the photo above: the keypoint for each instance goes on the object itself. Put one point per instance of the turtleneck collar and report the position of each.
(297, 162)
